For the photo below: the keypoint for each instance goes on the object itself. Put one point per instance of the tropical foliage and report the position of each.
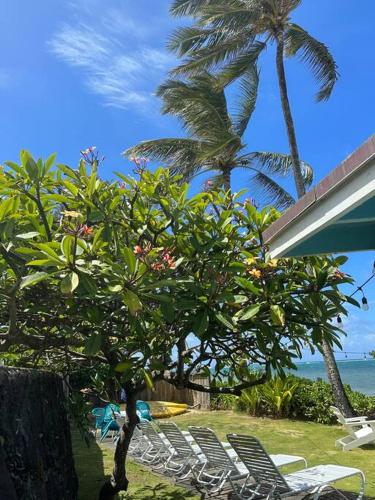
(215, 140)
(228, 36)
(138, 282)
(295, 398)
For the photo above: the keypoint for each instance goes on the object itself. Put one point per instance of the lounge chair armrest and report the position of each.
(238, 477)
(355, 424)
(359, 424)
(355, 419)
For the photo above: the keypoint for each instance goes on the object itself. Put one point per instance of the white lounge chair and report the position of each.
(139, 443)
(344, 420)
(158, 450)
(361, 431)
(266, 482)
(222, 463)
(186, 456)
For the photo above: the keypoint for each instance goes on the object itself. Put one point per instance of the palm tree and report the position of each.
(229, 35)
(215, 142)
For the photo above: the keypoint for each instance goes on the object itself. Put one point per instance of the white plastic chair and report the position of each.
(361, 431)
(265, 480)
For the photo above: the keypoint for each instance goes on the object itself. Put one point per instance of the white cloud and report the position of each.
(111, 53)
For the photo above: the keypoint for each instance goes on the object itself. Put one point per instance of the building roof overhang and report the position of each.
(337, 215)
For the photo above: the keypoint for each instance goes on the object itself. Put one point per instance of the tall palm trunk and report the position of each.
(334, 378)
(227, 178)
(333, 373)
(300, 186)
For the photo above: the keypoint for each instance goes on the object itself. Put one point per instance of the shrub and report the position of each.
(293, 397)
(223, 402)
(312, 400)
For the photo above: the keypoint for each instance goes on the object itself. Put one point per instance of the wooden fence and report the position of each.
(163, 391)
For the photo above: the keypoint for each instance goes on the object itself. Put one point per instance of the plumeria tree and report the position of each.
(139, 282)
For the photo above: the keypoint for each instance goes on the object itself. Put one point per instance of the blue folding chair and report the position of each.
(109, 420)
(98, 413)
(143, 410)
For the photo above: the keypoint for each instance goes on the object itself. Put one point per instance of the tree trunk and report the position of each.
(119, 481)
(334, 378)
(298, 178)
(227, 179)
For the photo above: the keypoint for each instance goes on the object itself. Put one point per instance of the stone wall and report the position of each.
(36, 461)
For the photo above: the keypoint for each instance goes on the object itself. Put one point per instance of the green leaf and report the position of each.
(5, 207)
(52, 255)
(27, 236)
(115, 288)
(130, 259)
(67, 171)
(70, 187)
(225, 321)
(200, 324)
(67, 245)
(69, 283)
(88, 283)
(29, 164)
(124, 366)
(247, 285)
(132, 301)
(322, 279)
(167, 310)
(32, 279)
(50, 161)
(250, 312)
(187, 304)
(148, 379)
(340, 260)
(93, 344)
(15, 167)
(277, 315)
(42, 262)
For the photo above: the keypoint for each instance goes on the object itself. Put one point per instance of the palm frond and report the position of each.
(188, 39)
(187, 7)
(278, 163)
(241, 63)
(316, 54)
(199, 104)
(178, 154)
(207, 58)
(271, 192)
(195, 8)
(247, 100)
(232, 14)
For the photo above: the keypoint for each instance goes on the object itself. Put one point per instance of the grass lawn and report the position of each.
(95, 463)
(313, 441)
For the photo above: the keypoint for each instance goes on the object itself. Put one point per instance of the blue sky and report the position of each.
(75, 73)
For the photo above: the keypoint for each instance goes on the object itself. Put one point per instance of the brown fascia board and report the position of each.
(346, 168)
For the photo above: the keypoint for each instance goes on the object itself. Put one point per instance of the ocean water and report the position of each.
(359, 374)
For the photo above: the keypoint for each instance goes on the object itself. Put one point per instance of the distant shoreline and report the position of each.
(358, 373)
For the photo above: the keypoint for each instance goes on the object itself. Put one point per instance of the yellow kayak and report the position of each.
(165, 409)
(173, 405)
